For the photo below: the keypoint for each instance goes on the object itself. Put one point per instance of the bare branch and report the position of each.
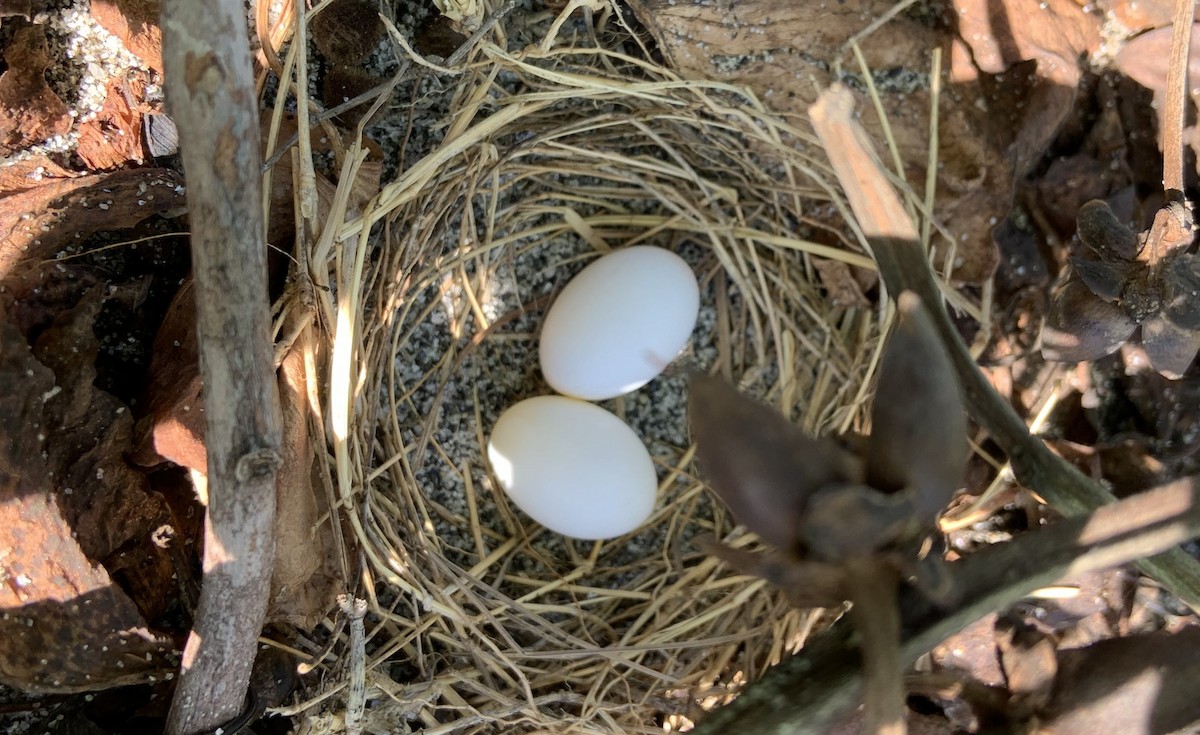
(903, 266)
(811, 691)
(210, 90)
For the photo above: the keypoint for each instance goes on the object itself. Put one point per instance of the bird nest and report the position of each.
(483, 621)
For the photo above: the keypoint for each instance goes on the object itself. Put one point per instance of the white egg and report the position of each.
(573, 467)
(618, 324)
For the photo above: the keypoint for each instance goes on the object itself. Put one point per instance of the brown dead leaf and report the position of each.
(172, 424)
(305, 581)
(38, 222)
(839, 283)
(281, 222)
(1028, 658)
(135, 22)
(30, 112)
(786, 54)
(104, 500)
(1141, 15)
(114, 138)
(64, 625)
(972, 652)
(1145, 60)
(1053, 34)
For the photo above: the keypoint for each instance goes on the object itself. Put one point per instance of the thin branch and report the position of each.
(1173, 108)
(210, 90)
(903, 265)
(811, 691)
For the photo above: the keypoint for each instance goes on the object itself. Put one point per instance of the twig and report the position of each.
(1173, 109)
(809, 692)
(210, 90)
(903, 265)
(356, 688)
(872, 586)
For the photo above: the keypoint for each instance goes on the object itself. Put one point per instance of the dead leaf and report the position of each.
(135, 22)
(1145, 60)
(347, 31)
(114, 137)
(64, 627)
(281, 222)
(106, 502)
(839, 283)
(1053, 34)
(1140, 15)
(972, 652)
(1029, 660)
(171, 427)
(305, 581)
(30, 112)
(38, 222)
(306, 577)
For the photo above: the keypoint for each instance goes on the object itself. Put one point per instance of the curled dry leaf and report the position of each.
(172, 424)
(30, 112)
(305, 581)
(115, 136)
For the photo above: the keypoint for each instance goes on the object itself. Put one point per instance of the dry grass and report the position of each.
(586, 144)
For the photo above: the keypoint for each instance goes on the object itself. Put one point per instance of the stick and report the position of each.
(871, 584)
(903, 266)
(811, 691)
(1173, 108)
(210, 90)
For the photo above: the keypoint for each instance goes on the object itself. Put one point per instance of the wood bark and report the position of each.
(211, 97)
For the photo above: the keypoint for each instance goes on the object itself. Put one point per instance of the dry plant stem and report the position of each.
(356, 688)
(814, 689)
(1173, 112)
(872, 584)
(903, 265)
(210, 90)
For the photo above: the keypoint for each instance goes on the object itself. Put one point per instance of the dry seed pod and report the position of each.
(918, 436)
(762, 466)
(1081, 326)
(1106, 235)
